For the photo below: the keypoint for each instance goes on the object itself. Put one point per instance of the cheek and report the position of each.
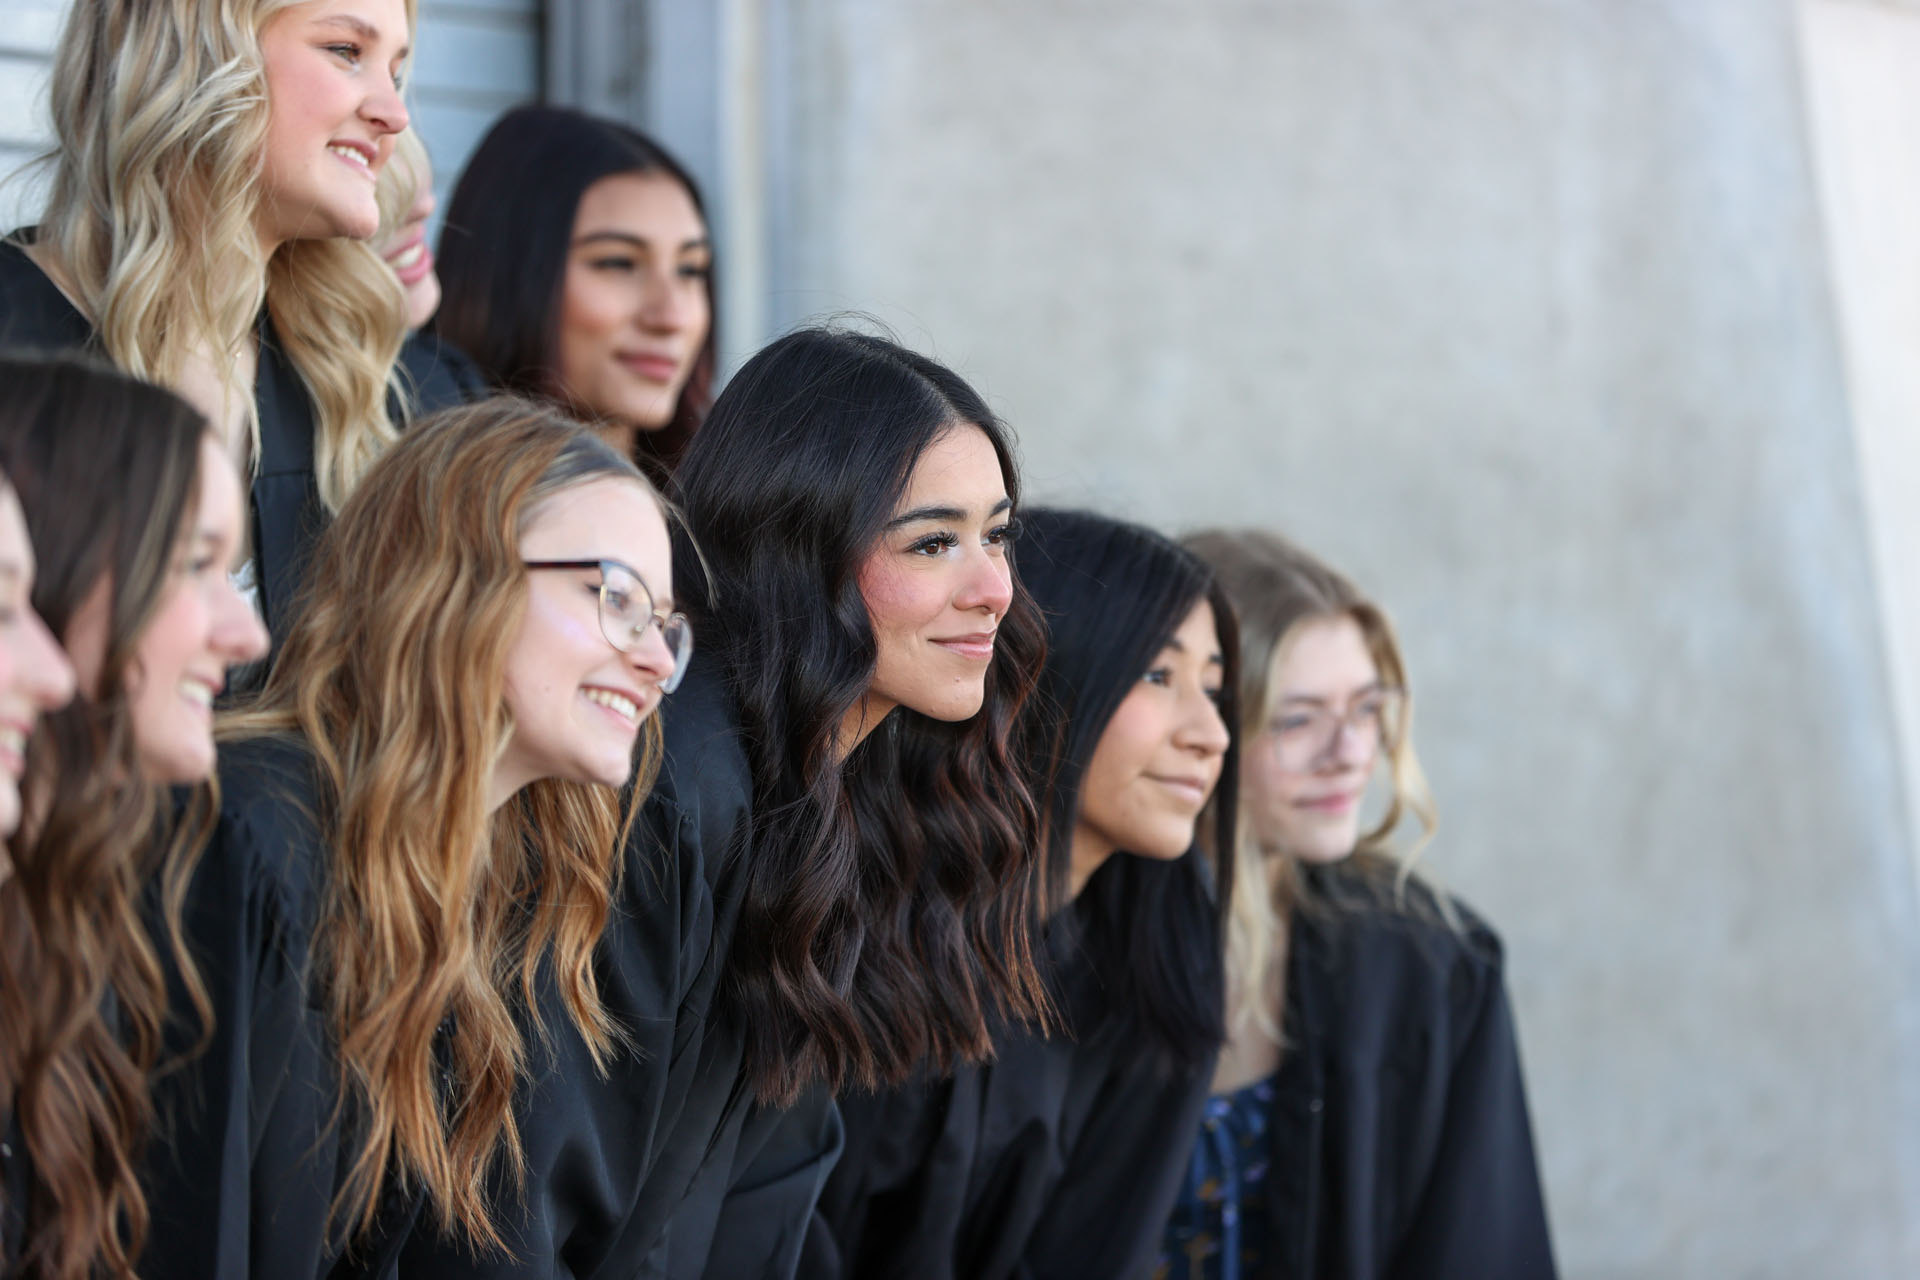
(899, 601)
(177, 635)
(589, 312)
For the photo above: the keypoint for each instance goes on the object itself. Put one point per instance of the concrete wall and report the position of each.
(1520, 310)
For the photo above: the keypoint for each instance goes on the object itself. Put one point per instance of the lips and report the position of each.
(412, 261)
(652, 367)
(13, 747)
(1193, 790)
(361, 157)
(628, 708)
(977, 647)
(1339, 802)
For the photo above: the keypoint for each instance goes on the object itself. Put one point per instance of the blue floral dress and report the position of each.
(1218, 1230)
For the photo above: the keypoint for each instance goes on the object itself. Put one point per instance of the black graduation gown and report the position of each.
(240, 1175)
(662, 1166)
(287, 513)
(1402, 1148)
(1056, 1159)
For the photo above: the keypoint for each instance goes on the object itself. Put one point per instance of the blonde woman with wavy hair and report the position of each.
(414, 856)
(1368, 1117)
(212, 177)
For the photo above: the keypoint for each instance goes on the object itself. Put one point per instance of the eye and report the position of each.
(1006, 534)
(933, 544)
(1161, 676)
(619, 599)
(346, 51)
(695, 270)
(614, 262)
(1292, 724)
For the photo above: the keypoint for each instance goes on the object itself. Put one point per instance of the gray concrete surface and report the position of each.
(1518, 309)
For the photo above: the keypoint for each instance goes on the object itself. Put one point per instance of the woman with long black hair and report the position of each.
(575, 265)
(1062, 1155)
(831, 884)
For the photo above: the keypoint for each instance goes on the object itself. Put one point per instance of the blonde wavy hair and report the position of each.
(437, 912)
(1277, 588)
(160, 122)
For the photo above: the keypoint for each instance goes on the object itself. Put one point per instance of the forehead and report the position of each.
(1323, 657)
(960, 465)
(391, 18)
(604, 516)
(652, 205)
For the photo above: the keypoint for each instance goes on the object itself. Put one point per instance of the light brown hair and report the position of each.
(438, 911)
(1278, 587)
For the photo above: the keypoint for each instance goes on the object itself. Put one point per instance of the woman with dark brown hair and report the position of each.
(134, 514)
(576, 265)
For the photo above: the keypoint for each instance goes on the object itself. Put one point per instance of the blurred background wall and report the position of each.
(1585, 333)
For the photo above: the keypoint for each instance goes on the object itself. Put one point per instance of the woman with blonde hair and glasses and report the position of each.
(415, 850)
(1368, 1117)
(213, 174)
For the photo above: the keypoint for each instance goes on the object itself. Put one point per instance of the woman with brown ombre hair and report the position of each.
(134, 513)
(419, 814)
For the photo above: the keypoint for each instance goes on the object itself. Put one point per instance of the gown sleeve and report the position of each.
(1480, 1211)
(241, 1174)
(1110, 1204)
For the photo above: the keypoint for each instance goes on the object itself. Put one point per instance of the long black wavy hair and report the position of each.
(886, 916)
(503, 252)
(1153, 931)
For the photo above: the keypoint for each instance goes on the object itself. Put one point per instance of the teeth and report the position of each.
(615, 702)
(197, 693)
(13, 741)
(350, 153)
(411, 256)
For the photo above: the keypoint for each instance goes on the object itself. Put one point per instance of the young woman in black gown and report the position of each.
(1061, 1156)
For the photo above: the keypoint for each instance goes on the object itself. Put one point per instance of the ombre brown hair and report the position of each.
(1277, 588)
(437, 912)
(106, 469)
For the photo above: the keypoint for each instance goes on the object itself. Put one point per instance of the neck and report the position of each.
(506, 783)
(861, 719)
(1088, 854)
(623, 436)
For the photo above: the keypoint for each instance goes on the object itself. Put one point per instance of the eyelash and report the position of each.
(1001, 536)
(352, 54)
(629, 265)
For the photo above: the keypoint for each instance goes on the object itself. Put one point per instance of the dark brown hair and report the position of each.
(106, 468)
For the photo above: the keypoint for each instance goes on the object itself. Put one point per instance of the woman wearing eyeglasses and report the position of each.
(415, 853)
(1368, 1116)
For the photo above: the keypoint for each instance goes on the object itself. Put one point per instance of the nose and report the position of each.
(666, 304)
(987, 585)
(238, 634)
(49, 675)
(1203, 731)
(651, 660)
(384, 108)
(1353, 746)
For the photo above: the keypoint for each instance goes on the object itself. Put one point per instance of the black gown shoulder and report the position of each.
(1401, 1136)
(1059, 1158)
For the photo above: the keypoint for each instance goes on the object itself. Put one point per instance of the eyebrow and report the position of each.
(1214, 659)
(1373, 687)
(359, 26)
(919, 514)
(638, 242)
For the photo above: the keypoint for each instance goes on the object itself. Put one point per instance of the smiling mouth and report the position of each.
(978, 647)
(618, 703)
(1186, 788)
(351, 155)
